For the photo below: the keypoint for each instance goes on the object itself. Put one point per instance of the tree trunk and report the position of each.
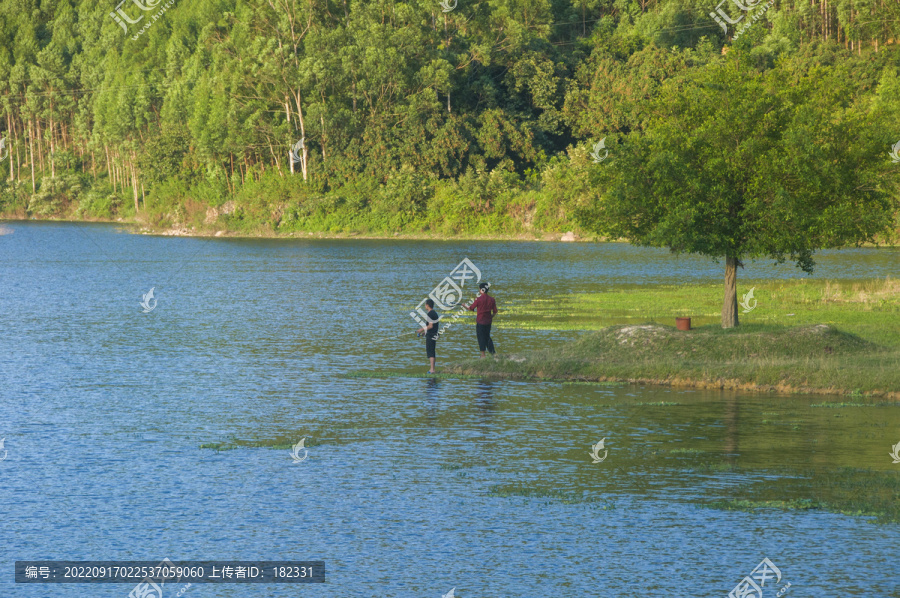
(133, 185)
(304, 157)
(8, 152)
(18, 157)
(31, 154)
(730, 304)
(287, 110)
(322, 120)
(52, 144)
(109, 172)
(40, 145)
(275, 157)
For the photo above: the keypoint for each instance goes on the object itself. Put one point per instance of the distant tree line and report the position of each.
(485, 114)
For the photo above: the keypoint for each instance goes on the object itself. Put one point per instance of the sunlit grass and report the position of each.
(862, 307)
(838, 405)
(803, 336)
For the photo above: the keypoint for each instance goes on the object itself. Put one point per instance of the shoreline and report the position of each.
(803, 358)
(140, 228)
(720, 384)
(549, 236)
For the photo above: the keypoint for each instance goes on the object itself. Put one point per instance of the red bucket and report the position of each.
(683, 323)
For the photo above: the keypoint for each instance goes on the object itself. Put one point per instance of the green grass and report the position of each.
(869, 308)
(839, 405)
(839, 339)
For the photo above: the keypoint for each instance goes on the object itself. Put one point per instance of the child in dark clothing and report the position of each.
(430, 330)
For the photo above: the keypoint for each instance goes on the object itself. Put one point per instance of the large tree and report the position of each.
(738, 164)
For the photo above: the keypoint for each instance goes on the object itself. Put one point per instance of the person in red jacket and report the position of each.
(487, 309)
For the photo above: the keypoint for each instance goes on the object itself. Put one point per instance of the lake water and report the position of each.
(412, 486)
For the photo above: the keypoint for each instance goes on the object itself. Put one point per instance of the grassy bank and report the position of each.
(803, 336)
(498, 203)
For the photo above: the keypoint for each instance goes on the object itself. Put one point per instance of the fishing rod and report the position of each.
(440, 318)
(387, 338)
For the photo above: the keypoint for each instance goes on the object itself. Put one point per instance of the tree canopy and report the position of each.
(485, 113)
(735, 163)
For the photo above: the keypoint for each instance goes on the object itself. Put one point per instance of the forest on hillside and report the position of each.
(452, 117)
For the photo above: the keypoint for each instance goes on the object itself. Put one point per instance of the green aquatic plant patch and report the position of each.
(552, 494)
(850, 491)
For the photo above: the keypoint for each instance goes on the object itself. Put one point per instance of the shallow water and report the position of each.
(413, 486)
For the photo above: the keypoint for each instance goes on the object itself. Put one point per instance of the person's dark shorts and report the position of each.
(483, 332)
(430, 346)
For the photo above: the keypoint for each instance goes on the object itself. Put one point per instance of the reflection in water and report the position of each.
(484, 402)
(731, 428)
(432, 402)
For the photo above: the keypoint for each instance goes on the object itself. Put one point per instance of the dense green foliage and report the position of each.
(737, 164)
(477, 120)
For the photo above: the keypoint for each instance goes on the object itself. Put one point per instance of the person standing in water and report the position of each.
(430, 330)
(487, 309)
